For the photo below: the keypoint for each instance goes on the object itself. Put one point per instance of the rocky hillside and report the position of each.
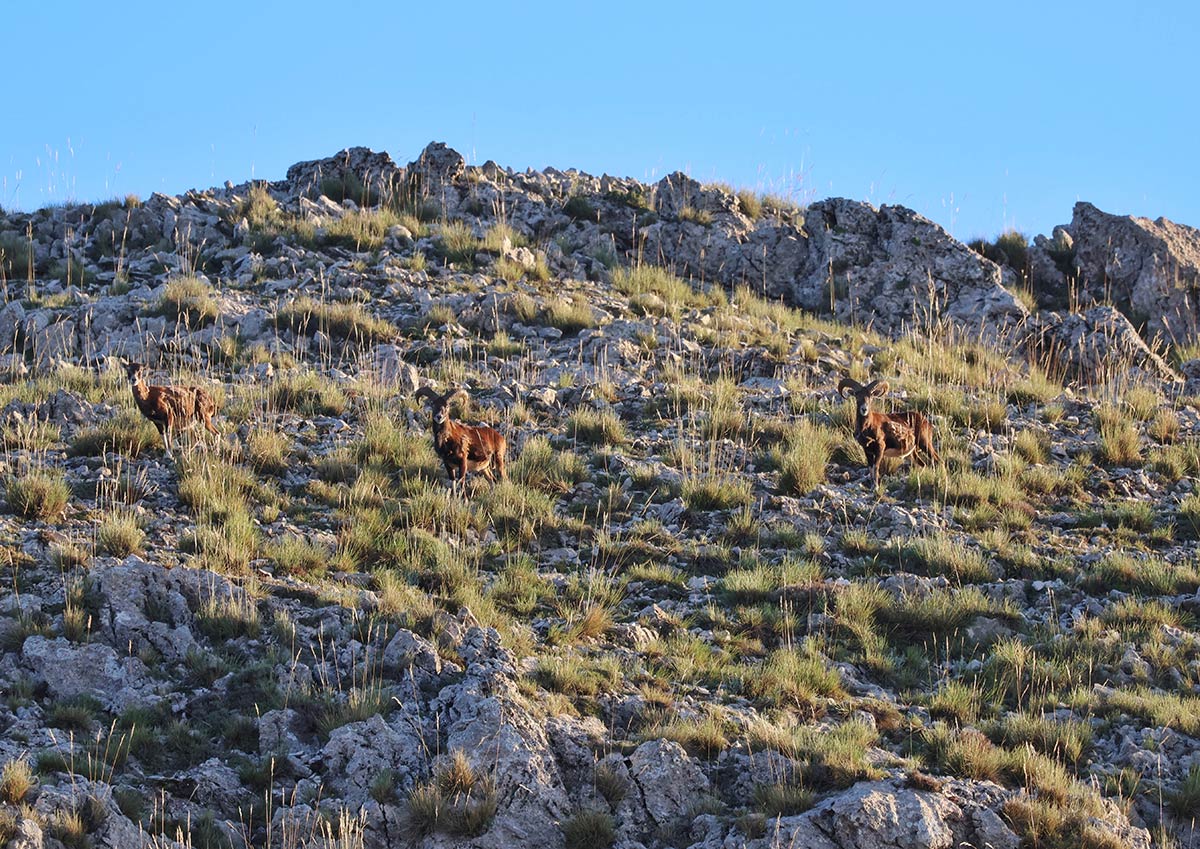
(688, 618)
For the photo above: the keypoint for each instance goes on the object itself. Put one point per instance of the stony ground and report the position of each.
(689, 618)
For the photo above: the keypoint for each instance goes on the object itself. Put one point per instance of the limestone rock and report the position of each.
(93, 669)
(893, 269)
(361, 166)
(144, 605)
(1091, 345)
(665, 783)
(1147, 268)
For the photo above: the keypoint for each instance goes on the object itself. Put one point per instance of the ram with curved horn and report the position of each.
(892, 435)
(463, 448)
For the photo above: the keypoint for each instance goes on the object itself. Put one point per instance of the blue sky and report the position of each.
(981, 116)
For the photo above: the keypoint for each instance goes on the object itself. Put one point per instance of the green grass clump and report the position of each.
(1143, 575)
(543, 467)
(189, 300)
(596, 427)
(942, 555)
(346, 321)
(128, 433)
(39, 494)
(956, 701)
(793, 679)
(457, 800)
(307, 393)
(268, 450)
(361, 229)
(501, 236)
(705, 735)
(228, 617)
(259, 209)
(294, 555)
(579, 208)
(715, 491)
(749, 204)
(569, 316)
(589, 829)
(803, 457)
(1067, 741)
(1120, 444)
(651, 280)
(16, 781)
(120, 534)
(32, 435)
(828, 758)
(759, 581)
(1185, 798)
(1163, 709)
(782, 799)
(455, 242)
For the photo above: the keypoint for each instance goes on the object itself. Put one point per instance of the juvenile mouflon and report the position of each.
(462, 447)
(171, 408)
(892, 435)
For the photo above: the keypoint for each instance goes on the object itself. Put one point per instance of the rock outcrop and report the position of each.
(1150, 270)
(686, 620)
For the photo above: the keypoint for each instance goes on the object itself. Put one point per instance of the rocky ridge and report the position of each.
(630, 645)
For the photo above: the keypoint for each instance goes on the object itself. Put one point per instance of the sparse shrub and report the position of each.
(347, 321)
(610, 784)
(456, 243)
(128, 433)
(579, 208)
(543, 467)
(189, 300)
(16, 780)
(569, 316)
(120, 534)
(39, 494)
(1185, 798)
(1120, 444)
(228, 617)
(307, 393)
(715, 491)
(597, 427)
(782, 799)
(803, 457)
(589, 830)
